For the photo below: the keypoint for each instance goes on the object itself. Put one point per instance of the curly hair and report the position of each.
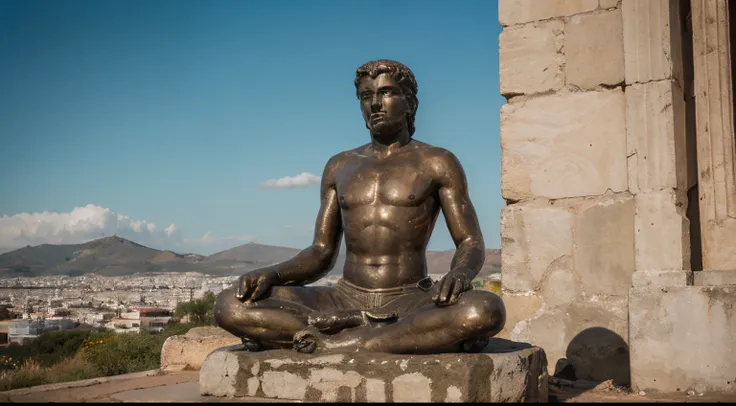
(401, 74)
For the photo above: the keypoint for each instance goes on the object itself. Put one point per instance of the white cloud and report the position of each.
(90, 222)
(303, 179)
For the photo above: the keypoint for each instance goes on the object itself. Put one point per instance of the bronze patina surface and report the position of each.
(385, 197)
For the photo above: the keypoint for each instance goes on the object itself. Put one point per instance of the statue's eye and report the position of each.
(365, 96)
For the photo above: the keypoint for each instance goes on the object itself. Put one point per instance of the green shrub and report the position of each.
(71, 355)
(55, 346)
(123, 353)
(179, 329)
(200, 311)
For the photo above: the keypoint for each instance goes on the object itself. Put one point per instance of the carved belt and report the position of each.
(376, 303)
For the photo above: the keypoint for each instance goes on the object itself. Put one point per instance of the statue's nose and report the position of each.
(376, 103)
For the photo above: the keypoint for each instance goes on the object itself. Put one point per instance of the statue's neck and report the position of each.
(385, 146)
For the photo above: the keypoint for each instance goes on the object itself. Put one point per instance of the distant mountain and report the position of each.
(255, 253)
(116, 256)
(111, 256)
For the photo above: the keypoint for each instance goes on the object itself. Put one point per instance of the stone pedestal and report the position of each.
(504, 372)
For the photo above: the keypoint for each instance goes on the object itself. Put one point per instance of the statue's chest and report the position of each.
(372, 183)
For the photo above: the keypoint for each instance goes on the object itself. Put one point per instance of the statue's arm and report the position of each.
(317, 260)
(461, 218)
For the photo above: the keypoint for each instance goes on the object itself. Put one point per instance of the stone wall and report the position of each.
(568, 232)
(614, 122)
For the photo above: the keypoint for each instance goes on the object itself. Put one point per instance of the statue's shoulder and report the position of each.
(338, 161)
(437, 155)
(344, 156)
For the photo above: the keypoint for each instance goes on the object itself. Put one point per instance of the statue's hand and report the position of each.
(253, 285)
(450, 287)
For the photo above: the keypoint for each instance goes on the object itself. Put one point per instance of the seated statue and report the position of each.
(385, 196)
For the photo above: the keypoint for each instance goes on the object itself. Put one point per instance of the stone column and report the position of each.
(715, 141)
(656, 141)
(567, 233)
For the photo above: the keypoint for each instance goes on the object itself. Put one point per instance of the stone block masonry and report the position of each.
(568, 232)
(611, 258)
(569, 144)
(516, 376)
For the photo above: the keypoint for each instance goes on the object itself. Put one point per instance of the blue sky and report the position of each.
(174, 112)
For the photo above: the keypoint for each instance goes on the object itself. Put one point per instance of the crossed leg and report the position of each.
(302, 318)
(430, 329)
(271, 323)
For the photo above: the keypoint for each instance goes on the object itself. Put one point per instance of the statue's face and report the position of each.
(383, 105)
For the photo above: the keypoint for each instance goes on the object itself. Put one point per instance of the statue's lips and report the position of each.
(377, 117)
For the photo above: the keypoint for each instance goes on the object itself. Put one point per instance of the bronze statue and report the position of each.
(385, 197)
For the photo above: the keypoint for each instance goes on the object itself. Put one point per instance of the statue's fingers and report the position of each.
(457, 289)
(260, 289)
(447, 287)
(436, 296)
(248, 289)
(240, 289)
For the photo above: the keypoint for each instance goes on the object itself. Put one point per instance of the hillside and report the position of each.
(110, 256)
(116, 256)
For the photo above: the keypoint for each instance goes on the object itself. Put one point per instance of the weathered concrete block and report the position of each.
(591, 332)
(518, 307)
(189, 351)
(535, 240)
(564, 145)
(594, 50)
(539, 253)
(683, 338)
(512, 12)
(662, 236)
(604, 245)
(540, 42)
(517, 373)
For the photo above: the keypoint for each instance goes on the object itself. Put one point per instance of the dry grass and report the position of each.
(27, 374)
(30, 373)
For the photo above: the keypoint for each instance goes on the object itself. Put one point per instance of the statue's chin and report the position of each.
(385, 132)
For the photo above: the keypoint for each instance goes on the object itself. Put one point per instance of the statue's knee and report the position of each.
(225, 303)
(483, 312)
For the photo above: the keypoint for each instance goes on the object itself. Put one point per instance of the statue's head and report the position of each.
(387, 91)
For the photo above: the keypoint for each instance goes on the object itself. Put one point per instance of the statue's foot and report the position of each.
(335, 321)
(474, 345)
(312, 340)
(307, 340)
(250, 345)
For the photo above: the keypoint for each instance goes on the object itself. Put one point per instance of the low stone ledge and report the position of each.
(504, 372)
(189, 351)
(662, 278)
(715, 278)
